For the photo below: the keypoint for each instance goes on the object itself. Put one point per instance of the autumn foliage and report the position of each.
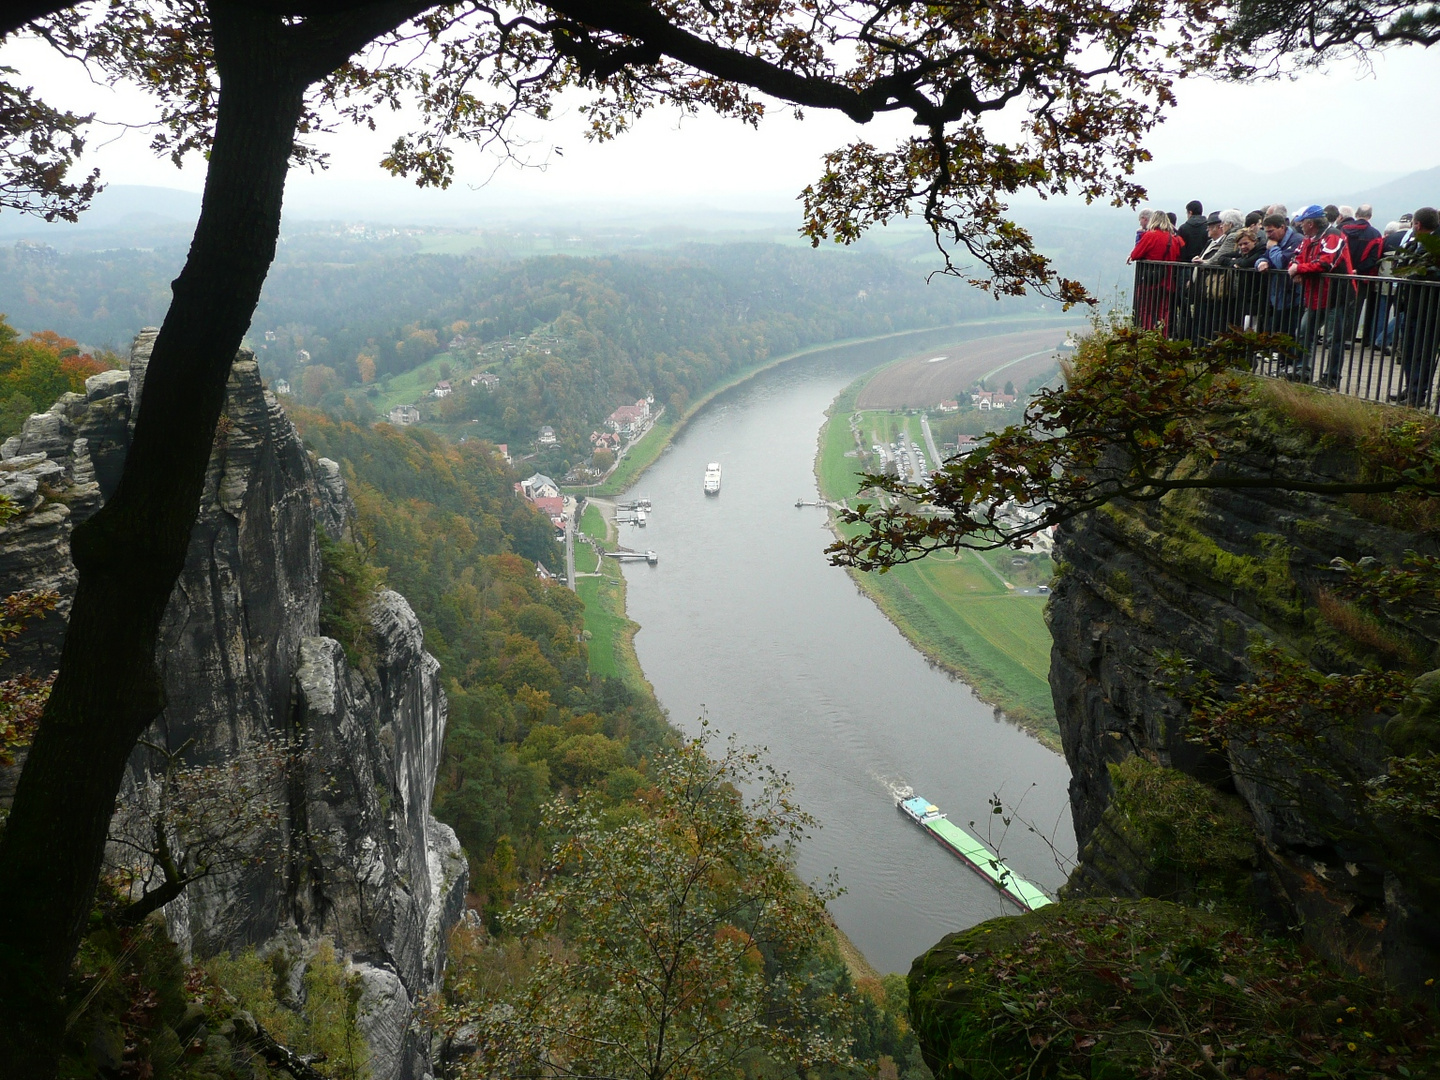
(36, 370)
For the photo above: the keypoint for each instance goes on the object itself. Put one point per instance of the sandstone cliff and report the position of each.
(360, 860)
(1203, 574)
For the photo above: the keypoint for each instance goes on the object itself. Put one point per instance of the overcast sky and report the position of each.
(1362, 116)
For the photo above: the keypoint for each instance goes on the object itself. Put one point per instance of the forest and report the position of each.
(357, 327)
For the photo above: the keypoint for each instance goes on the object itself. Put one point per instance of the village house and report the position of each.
(555, 507)
(401, 415)
(538, 486)
(948, 406)
(991, 399)
(303, 356)
(443, 389)
(965, 444)
(547, 436)
(487, 379)
(604, 440)
(503, 449)
(282, 386)
(628, 419)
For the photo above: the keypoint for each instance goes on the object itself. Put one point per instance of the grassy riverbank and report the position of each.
(612, 633)
(962, 611)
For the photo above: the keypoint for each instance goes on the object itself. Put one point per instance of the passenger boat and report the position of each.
(712, 478)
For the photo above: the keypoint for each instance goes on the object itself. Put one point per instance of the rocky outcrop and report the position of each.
(1202, 575)
(355, 854)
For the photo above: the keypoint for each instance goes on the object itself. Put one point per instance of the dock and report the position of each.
(622, 555)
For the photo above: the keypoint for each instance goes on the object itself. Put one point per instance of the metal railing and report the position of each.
(1371, 337)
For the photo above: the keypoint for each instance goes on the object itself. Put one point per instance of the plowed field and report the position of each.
(932, 378)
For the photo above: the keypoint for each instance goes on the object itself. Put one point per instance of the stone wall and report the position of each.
(360, 860)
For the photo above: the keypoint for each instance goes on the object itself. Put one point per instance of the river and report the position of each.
(743, 621)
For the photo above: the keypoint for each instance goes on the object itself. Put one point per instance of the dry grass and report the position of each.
(1319, 412)
(1365, 630)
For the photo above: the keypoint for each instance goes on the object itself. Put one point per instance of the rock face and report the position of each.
(360, 860)
(1202, 575)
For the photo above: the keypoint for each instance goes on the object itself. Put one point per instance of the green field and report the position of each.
(960, 610)
(414, 384)
(592, 523)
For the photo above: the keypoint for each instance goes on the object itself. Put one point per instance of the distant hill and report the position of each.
(1408, 193)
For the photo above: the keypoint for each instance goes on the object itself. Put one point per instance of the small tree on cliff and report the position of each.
(247, 81)
(684, 937)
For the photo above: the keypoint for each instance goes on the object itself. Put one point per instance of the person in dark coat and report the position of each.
(1193, 231)
(1247, 289)
(1365, 244)
(1420, 305)
(1281, 245)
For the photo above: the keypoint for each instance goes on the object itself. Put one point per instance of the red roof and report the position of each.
(555, 507)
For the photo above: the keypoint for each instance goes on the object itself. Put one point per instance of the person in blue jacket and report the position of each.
(1282, 243)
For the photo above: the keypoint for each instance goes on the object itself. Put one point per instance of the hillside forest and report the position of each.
(356, 328)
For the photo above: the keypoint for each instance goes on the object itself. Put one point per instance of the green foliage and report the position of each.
(134, 1010)
(348, 583)
(131, 1012)
(527, 718)
(1114, 989)
(23, 695)
(686, 944)
(320, 1020)
(1173, 838)
(1141, 418)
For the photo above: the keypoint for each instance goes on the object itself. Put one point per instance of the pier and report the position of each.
(623, 555)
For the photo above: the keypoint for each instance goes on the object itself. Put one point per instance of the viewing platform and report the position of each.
(1375, 338)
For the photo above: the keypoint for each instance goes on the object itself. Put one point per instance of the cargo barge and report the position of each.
(971, 851)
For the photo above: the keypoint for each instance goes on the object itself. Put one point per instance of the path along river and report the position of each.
(744, 621)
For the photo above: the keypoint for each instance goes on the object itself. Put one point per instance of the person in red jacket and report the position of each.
(1328, 303)
(1155, 287)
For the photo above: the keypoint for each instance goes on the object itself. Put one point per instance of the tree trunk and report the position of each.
(130, 553)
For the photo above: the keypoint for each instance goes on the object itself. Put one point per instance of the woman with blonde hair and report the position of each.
(1154, 288)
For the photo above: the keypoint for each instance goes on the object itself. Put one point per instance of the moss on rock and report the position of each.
(1142, 988)
(1167, 836)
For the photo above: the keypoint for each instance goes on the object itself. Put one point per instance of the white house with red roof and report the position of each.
(628, 419)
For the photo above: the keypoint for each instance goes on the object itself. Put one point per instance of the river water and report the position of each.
(743, 621)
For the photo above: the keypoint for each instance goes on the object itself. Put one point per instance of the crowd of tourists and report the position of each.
(1324, 276)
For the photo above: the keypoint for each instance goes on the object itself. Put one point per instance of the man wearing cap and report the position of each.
(1327, 303)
